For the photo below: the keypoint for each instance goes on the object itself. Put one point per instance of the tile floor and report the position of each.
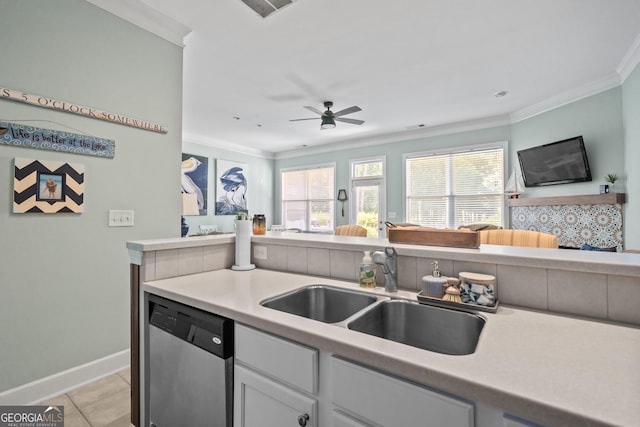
(102, 403)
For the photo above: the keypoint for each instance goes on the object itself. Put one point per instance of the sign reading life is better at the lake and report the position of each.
(47, 139)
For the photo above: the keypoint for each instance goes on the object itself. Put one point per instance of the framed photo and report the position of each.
(41, 186)
(231, 187)
(195, 179)
(50, 187)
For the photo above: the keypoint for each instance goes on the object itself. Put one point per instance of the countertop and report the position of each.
(555, 370)
(586, 261)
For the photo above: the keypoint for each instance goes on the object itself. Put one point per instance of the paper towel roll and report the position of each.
(244, 229)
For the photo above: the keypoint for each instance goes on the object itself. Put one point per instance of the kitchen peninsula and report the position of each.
(561, 350)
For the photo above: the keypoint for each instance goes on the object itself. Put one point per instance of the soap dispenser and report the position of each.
(367, 271)
(434, 284)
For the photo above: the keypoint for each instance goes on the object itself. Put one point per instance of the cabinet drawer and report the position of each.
(342, 420)
(513, 421)
(391, 402)
(287, 361)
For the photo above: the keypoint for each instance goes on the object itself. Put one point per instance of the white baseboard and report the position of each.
(62, 382)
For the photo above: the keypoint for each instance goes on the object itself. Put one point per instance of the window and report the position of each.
(446, 190)
(367, 199)
(308, 198)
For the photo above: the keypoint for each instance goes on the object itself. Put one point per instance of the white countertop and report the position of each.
(551, 369)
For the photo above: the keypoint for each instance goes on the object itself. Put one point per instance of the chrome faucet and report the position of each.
(388, 260)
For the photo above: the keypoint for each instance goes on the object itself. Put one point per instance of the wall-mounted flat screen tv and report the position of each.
(559, 162)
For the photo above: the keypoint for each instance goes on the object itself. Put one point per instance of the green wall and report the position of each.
(64, 278)
(631, 126)
(393, 152)
(259, 186)
(598, 119)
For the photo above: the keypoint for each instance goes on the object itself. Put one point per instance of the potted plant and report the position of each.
(611, 179)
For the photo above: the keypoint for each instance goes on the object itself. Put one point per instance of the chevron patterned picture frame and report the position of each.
(41, 186)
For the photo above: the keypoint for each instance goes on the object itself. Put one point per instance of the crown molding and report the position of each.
(367, 141)
(564, 98)
(224, 145)
(147, 18)
(630, 61)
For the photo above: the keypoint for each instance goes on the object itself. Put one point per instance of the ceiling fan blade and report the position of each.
(352, 121)
(349, 110)
(314, 109)
(312, 118)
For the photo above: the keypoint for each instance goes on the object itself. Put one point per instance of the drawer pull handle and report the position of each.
(302, 420)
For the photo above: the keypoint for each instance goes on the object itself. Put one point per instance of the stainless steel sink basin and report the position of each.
(320, 302)
(430, 328)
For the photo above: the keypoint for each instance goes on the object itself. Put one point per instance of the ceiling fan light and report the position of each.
(327, 123)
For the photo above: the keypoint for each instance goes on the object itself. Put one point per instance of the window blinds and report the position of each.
(453, 189)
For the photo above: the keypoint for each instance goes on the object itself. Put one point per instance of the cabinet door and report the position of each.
(261, 402)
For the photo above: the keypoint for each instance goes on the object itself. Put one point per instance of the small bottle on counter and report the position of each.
(434, 284)
(259, 224)
(367, 271)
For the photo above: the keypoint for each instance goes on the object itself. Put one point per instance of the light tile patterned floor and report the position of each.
(103, 403)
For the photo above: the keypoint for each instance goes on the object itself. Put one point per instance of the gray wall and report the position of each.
(64, 278)
(259, 186)
(631, 125)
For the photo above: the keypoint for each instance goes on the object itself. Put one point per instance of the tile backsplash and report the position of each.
(594, 295)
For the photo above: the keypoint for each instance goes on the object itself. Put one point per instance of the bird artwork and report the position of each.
(188, 186)
(233, 184)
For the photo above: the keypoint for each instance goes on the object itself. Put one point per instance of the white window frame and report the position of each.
(504, 145)
(305, 168)
(379, 179)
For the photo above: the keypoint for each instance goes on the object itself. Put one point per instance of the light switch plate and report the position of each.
(120, 218)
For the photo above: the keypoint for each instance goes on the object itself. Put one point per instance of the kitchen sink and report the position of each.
(427, 327)
(320, 302)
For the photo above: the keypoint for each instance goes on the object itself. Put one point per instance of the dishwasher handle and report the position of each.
(206, 340)
(208, 331)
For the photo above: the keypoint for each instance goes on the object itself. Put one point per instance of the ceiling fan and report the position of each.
(329, 118)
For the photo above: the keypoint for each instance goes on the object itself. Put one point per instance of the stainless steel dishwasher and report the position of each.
(190, 366)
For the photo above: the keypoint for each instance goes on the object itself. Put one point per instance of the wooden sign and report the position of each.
(47, 139)
(42, 101)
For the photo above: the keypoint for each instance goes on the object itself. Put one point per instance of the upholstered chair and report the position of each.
(528, 238)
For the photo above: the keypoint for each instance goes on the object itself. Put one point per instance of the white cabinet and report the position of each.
(512, 421)
(261, 402)
(274, 381)
(287, 361)
(282, 383)
(387, 401)
(341, 419)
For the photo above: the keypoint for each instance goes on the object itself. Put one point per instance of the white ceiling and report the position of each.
(406, 63)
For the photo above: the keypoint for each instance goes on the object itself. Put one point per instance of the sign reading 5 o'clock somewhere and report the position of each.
(43, 101)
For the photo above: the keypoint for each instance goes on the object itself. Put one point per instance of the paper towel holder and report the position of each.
(244, 229)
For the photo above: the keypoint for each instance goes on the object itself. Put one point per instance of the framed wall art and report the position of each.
(195, 179)
(231, 187)
(41, 186)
